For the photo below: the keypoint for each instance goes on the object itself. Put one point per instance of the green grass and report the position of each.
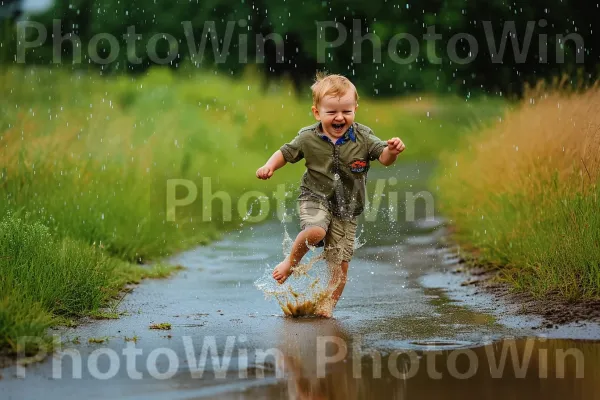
(545, 244)
(561, 255)
(164, 326)
(523, 195)
(64, 276)
(90, 157)
(45, 278)
(84, 162)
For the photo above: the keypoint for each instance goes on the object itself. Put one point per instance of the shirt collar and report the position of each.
(349, 135)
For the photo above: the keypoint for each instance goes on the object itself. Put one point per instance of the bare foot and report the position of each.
(325, 310)
(324, 314)
(282, 271)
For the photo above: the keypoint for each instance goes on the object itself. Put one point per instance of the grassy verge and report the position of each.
(90, 157)
(523, 194)
(47, 280)
(85, 160)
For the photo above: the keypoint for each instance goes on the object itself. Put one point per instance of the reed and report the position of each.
(523, 194)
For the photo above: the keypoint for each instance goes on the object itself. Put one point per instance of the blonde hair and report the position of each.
(331, 85)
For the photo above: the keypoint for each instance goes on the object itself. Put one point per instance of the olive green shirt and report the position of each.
(336, 174)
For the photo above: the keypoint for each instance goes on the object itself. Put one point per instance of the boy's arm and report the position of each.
(289, 152)
(273, 164)
(385, 152)
(390, 153)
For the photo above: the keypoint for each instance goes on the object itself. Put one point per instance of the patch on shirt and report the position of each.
(358, 166)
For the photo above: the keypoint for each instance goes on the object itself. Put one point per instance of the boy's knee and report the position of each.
(316, 233)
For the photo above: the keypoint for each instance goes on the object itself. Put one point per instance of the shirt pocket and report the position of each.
(359, 166)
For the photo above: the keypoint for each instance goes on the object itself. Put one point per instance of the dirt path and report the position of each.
(401, 300)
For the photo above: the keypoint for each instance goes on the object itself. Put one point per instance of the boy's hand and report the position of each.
(264, 172)
(395, 146)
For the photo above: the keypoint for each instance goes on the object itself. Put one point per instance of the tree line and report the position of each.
(385, 47)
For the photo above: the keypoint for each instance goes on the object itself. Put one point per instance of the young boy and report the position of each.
(337, 151)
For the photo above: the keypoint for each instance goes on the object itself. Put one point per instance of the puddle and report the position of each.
(528, 368)
(416, 339)
(423, 345)
(434, 344)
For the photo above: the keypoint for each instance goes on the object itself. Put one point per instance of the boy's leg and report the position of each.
(314, 222)
(340, 243)
(341, 279)
(311, 236)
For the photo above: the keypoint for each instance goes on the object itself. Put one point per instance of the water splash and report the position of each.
(308, 290)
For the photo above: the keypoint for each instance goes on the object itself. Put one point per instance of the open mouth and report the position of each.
(338, 127)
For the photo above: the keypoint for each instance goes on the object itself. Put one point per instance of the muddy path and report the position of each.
(404, 326)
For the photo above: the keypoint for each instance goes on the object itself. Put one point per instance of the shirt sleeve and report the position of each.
(375, 146)
(293, 151)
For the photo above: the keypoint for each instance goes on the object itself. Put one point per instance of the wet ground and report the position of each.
(404, 327)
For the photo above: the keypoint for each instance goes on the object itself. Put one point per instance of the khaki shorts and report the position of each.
(339, 240)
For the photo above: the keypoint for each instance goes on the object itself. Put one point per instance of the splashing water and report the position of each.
(308, 290)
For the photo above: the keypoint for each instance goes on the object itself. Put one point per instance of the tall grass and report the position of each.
(42, 276)
(90, 157)
(524, 193)
(84, 162)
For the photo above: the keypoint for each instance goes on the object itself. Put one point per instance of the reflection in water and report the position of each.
(321, 361)
(307, 345)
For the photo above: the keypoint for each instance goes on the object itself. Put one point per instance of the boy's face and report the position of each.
(336, 113)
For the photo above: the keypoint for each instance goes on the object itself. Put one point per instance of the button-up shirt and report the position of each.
(336, 174)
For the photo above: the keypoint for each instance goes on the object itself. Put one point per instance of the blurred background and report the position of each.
(103, 101)
(535, 24)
